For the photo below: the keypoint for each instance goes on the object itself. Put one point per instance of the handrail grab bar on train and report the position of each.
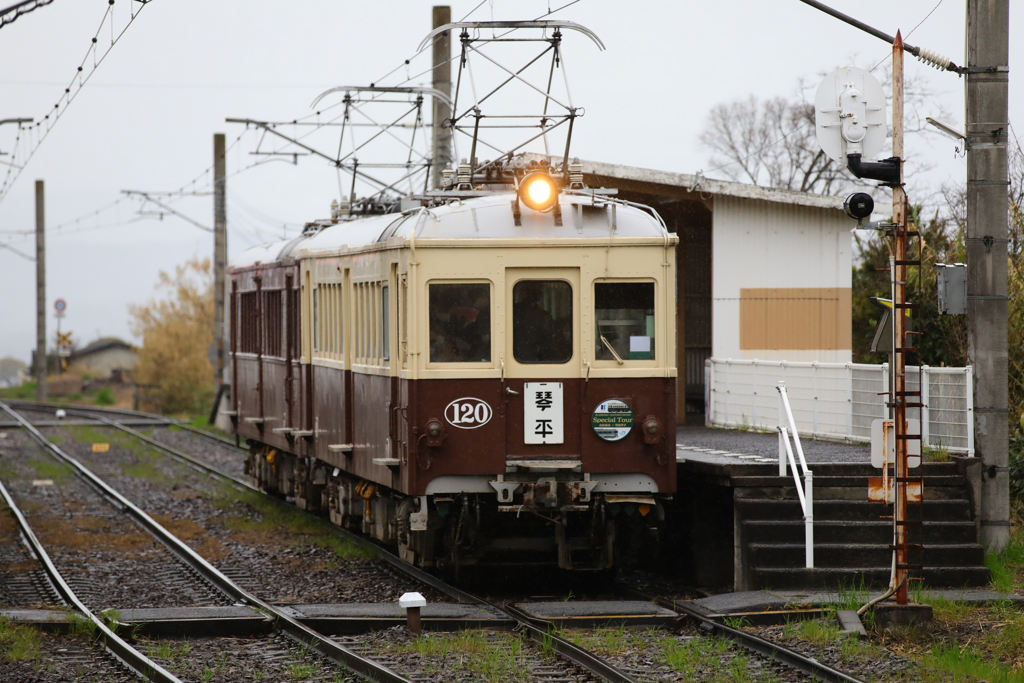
(806, 492)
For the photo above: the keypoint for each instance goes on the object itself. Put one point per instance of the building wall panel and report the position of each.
(781, 281)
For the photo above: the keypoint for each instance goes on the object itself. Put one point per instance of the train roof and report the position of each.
(487, 217)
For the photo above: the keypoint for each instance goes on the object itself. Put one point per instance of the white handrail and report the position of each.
(806, 493)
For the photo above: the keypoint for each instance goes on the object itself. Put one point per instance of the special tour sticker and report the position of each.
(612, 420)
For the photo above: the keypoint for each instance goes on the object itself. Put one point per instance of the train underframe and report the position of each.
(549, 519)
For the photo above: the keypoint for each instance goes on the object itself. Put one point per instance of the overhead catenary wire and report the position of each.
(800, 128)
(46, 123)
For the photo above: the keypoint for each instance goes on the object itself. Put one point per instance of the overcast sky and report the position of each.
(146, 118)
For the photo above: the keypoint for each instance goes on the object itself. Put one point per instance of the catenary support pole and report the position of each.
(220, 252)
(442, 55)
(987, 87)
(40, 369)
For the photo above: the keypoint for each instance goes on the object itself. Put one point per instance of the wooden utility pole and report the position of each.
(220, 252)
(442, 55)
(988, 26)
(40, 369)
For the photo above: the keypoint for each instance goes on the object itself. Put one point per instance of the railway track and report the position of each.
(538, 631)
(283, 622)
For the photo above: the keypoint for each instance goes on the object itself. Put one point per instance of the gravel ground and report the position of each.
(870, 660)
(765, 445)
(238, 660)
(655, 656)
(108, 560)
(64, 659)
(466, 656)
(276, 565)
(223, 457)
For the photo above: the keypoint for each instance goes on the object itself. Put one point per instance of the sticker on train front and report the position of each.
(543, 419)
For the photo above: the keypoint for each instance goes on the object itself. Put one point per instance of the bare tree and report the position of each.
(773, 143)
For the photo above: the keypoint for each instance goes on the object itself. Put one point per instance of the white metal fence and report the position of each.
(838, 400)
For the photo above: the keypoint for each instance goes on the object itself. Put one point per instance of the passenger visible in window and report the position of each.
(460, 323)
(542, 321)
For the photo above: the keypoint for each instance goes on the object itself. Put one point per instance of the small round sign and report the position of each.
(612, 420)
(60, 305)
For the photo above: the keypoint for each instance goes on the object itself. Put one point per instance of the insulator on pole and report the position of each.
(927, 56)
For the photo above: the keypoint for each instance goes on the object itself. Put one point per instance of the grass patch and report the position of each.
(474, 652)
(938, 453)
(18, 643)
(105, 397)
(47, 468)
(965, 661)
(707, 659)
(268, 516)
(25, 392)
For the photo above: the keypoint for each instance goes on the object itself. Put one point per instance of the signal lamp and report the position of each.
(538, 191)
(859, 205)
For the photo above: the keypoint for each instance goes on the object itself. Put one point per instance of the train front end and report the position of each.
(539, 384)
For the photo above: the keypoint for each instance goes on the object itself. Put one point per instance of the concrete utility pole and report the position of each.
(442, 155)
(220, 251)
(988, 26)
(40, 294)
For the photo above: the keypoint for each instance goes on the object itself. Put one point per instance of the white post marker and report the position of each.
(411, 603)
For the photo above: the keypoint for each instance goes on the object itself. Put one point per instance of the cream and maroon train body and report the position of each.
(466, 388)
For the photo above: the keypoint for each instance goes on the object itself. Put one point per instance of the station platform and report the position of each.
(739, 526)
(732, 447)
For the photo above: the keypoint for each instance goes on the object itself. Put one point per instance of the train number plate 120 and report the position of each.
(543, 418)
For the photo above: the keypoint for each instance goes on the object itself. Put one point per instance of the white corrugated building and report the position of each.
(763, 273)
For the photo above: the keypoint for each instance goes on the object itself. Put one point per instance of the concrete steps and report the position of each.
(851, 536)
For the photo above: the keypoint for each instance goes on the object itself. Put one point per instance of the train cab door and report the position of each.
(542, 362)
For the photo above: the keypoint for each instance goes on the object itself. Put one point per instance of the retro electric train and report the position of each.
(476, 380)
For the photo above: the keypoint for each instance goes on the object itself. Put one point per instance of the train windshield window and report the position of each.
(460, 323)
(542, 321)
(625, 320)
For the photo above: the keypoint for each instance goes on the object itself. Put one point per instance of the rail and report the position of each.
(806, 493)
(774, 652)
(534, 628)
(113, 643)
(362, 667)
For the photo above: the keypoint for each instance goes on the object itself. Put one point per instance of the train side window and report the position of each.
(460, 323)
(385, 322)
(542, 321)
(624, 312)
(316, 323)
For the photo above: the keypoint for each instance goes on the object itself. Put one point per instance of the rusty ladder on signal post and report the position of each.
(899, 397)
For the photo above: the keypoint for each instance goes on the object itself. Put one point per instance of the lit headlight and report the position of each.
(538, 191)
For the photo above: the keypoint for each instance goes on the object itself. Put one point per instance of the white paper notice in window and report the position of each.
(543, 418)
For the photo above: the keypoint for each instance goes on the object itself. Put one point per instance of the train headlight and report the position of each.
(538, 191)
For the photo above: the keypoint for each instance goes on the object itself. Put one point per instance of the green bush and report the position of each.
(1017, 463)
(105, 397)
